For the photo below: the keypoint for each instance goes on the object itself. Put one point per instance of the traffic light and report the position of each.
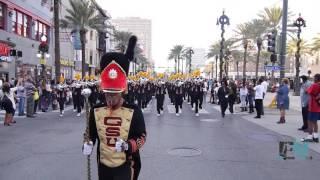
(272, 41)
(273, 58)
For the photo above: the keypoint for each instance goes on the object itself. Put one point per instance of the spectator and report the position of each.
(258, 98)
(30, 89)
(265, 85)
(36, 100)
(232, 95)
(250, 96)
(8, 103)
(283, 99)
(304, 101)
(314, 111)
(223, 94)
(243, 96)
(21, 95)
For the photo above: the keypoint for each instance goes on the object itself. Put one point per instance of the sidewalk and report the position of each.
(295, 102)
(293, 120)
(2, 113)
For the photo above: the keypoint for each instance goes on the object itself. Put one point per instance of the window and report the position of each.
(36, 29)
(40, 29)
(14, 21)
(26, 26)
(2, 16)
(20, 23)
(91, 34)
(90, 57)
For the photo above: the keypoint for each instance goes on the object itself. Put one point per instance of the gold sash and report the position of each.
(110, 126)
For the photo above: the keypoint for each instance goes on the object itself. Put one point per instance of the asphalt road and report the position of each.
(178, 148)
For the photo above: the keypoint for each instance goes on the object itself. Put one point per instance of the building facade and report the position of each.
(142, 28)
(198, 58)
(22, 23)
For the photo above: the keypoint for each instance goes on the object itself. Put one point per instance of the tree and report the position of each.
(243, 32)
(121, 39)
(316, 44)
(305, 49)
(272, 16)
(140, 59)
(56, 37)
(175, 54)
(237, 56)
(82, 16)
(187, 54)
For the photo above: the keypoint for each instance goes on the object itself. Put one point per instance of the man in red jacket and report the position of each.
(314, 111)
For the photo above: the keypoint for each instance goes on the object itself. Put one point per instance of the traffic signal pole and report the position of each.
(283, 38)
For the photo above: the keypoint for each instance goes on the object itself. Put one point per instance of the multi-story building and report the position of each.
(70, 40)
(198, 58)
(67, 50)
(22, 23)
(142, 28)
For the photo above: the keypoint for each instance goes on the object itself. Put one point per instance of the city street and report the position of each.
(185, 147)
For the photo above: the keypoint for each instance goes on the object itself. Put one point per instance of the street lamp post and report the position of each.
(217, 57)
(212, 69)
(42, 54)
(300, 22)
(222, 20)
(190, 52)
(259, 44)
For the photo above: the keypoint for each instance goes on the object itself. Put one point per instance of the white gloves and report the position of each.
(121, 146)
(87, 148)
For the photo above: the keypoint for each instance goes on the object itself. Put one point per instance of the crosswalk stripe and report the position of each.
(171, 109)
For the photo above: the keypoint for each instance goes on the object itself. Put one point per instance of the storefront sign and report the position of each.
(65, 62)
(4, 49)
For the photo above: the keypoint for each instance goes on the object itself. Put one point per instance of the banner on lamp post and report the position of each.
(42, 61)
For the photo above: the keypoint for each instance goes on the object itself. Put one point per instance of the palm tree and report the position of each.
(259, 27)
(56, 36)
(214, 50)
(140, 59)
(80, 18)
(316, 47)
(175, 54)
(316, 43)
(244, 35)
(272, 16)
(187, 54)
(237, 56)
(121, 39)
(305, 49)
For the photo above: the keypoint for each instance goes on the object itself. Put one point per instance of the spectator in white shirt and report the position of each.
(243, 97)
(259, 98)
(265, 85)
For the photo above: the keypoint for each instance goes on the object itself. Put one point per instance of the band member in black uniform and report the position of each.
(178, 97)
(200, 86)
(61, 95)
(130, 96)
(118, 127)
(94, 92)
(141, 95)
(196, 96)
(160, 94)
(223, 94)
(78, 97)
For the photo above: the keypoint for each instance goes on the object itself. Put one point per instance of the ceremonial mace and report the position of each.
(86, 93)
